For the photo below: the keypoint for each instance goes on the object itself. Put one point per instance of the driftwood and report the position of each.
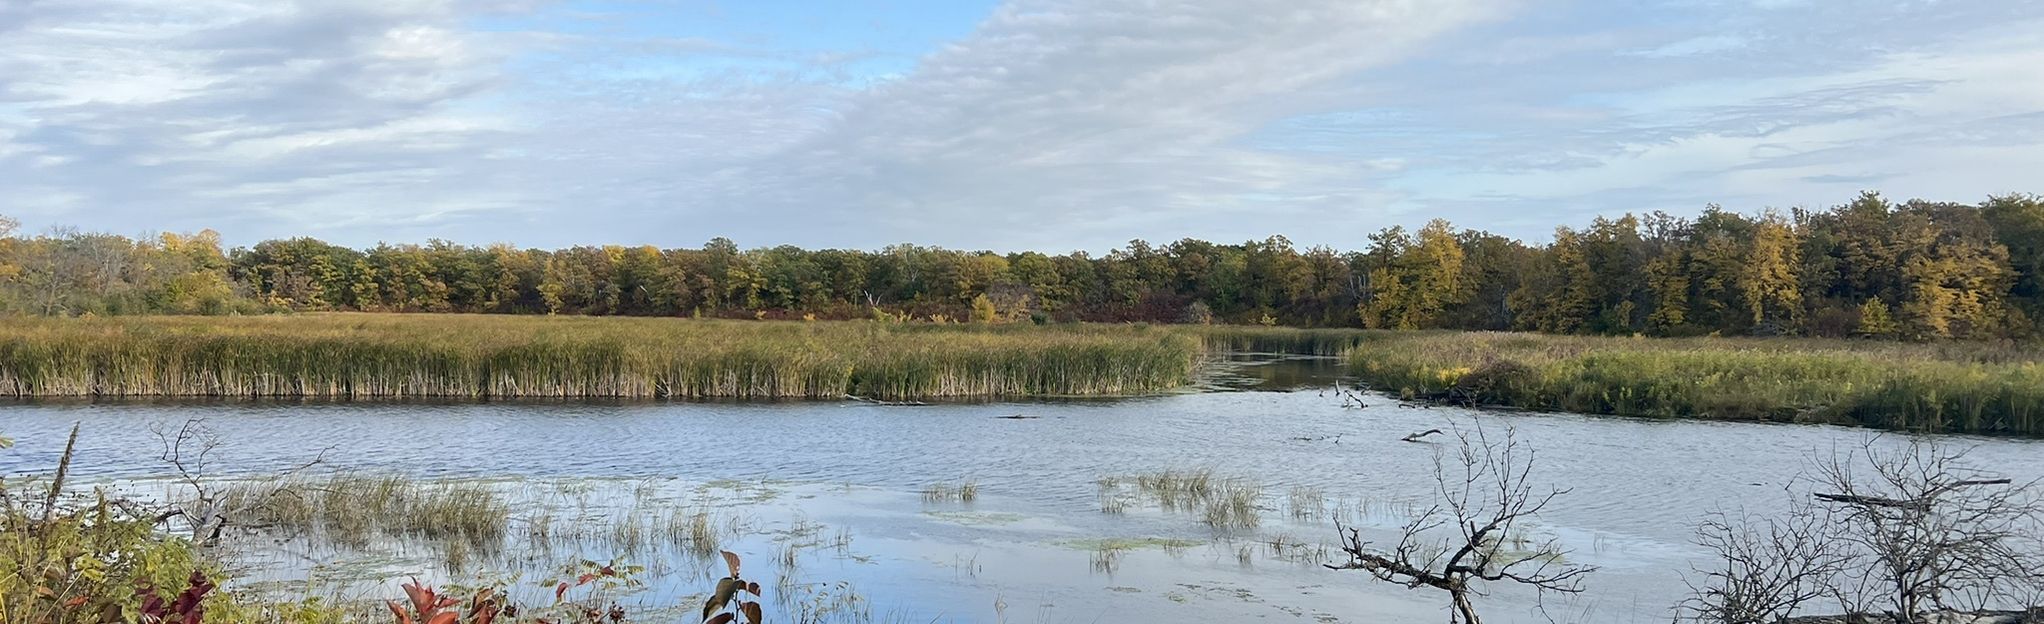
(1948, 617)
(854, 397)
(1916, 504)
(1420, 436)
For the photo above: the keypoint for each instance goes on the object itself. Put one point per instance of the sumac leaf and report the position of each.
(399, 612)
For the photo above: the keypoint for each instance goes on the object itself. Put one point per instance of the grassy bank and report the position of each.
(1947, 387)
(472, 356)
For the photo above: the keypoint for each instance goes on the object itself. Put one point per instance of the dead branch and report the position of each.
(1931, 534)
(1765, 568)
(1472, 534)
(186, 451)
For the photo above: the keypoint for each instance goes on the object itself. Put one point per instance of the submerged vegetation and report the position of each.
(1953, 387)
(470, 356)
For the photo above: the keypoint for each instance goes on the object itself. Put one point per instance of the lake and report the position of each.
(832, 506)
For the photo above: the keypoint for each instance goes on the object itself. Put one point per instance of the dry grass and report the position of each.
(1952, 387)
(353, 509)
(471, 356)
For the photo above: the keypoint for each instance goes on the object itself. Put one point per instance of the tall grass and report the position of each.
(353, 509)
(1944, 387)
(471, 356)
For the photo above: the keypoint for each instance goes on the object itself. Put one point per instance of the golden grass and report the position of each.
(344, 355)
(1953, 387)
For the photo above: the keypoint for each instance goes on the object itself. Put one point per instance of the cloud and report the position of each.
(1943, 113)
(1095, 120)
(1052, 121)
(1052, 124)
(223, 113)
(1697, 46)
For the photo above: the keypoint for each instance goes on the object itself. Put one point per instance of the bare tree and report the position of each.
(1765, 568)
(1474, 532)
(186, 450)
(1932, 533)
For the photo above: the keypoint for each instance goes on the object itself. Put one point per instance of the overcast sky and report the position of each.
(1025, 124)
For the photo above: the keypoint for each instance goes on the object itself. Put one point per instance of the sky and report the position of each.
(1052, 125)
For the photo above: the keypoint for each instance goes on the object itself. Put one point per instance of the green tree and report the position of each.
(1875, 321)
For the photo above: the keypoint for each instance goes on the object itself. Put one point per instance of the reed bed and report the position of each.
(1940, 387)
(479, 357)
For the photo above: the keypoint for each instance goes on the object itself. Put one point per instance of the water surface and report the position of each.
(1029, 547)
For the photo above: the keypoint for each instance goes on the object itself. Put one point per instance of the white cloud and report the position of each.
(1052, 124)
(1053, 114)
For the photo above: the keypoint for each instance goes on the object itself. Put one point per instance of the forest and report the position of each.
(1872, 267)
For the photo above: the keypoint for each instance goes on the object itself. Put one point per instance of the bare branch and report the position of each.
(1484, 493)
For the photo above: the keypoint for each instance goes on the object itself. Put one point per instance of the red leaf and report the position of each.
(447, 617)
(731, 559)
(722, 618)
(422, 597)
(753, 588)
(752, 614)
(561, 593)
(402, 617)
(74, 602)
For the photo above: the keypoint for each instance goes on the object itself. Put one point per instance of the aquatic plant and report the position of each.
(964, 492)
(352, 508)
(1232, 506)
(1223, 504)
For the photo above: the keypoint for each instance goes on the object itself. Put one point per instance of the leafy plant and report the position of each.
(729, 601)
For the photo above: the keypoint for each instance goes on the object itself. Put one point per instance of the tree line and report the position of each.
(1871, 267)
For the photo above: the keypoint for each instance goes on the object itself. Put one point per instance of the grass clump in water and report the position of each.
(962, 492)
(1232, 506)
(1223, 504)
(353, 509)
